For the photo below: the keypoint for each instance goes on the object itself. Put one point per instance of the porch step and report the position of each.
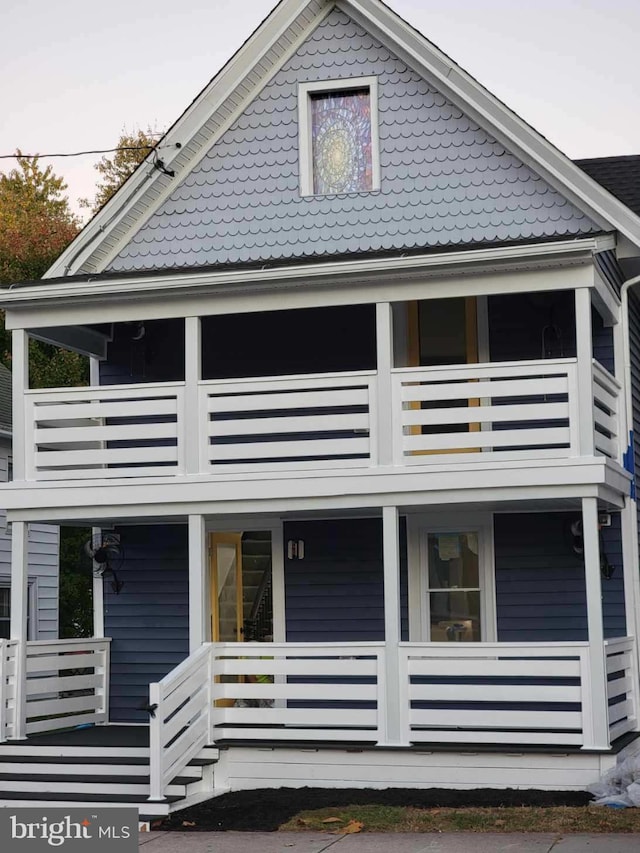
(70, 775)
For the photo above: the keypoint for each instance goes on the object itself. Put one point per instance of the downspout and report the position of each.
(631, 507)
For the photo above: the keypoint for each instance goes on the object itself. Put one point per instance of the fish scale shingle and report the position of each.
(444, 180)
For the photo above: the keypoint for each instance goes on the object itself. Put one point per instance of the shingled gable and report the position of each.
(150, 223)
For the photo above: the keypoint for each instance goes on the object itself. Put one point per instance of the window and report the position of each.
(339, 137)
(451, 582)
(5, 610)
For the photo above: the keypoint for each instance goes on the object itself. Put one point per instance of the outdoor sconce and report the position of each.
(295, 549)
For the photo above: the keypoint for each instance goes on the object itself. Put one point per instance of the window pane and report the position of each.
(453, 561)
(455, 617)
(5, 600)
(341, 142)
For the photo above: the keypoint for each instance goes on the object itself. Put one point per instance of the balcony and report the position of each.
(509, 411)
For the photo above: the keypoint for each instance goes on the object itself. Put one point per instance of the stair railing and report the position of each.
(180, 725)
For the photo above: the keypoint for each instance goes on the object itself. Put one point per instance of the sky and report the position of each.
(76, 73)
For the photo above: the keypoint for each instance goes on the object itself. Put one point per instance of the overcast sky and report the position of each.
(76, 72)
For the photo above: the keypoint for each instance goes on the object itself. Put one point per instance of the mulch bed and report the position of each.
(266, 809)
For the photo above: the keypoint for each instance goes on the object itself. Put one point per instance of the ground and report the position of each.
(268, 809)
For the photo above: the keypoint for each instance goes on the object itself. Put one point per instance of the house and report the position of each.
(356, 449)
(42, 551)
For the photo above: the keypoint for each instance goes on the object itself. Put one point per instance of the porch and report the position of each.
(517, 697)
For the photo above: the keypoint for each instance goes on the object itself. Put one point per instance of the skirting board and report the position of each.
(247, 768)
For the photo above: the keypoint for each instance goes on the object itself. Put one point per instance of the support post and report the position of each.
(384, 388)
(596, 722)
(584, 352)
(193, 429)
(395, 730)
(20, 384)
(98, 593)
(19, 594)
(198, 599)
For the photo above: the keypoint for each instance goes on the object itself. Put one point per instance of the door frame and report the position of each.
(421, 524)
(276, 528)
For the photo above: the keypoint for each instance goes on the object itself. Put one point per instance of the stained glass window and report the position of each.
(341, 141)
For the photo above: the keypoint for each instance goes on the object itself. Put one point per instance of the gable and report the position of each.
(444, 181)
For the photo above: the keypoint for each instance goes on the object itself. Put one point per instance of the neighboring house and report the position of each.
(357, 442)
(42, 589)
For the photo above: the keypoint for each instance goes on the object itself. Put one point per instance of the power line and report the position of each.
(80, 153)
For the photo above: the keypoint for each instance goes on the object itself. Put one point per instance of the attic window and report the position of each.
(339, 137)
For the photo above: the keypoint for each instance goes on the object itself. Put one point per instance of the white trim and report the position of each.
(521, 268)
(305, 90)
(198, 573)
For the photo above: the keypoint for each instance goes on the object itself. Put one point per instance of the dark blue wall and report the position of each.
(337, 592)
(540, 588)
(149, 620)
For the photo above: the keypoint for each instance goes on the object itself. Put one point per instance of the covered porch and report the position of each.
(387, 629)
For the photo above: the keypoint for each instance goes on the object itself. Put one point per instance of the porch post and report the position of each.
(384, 400)
(192, 430)
(20, 383)
(596, 718)
(395, 731)
(584, 352)
(198, 598)
(19, 593)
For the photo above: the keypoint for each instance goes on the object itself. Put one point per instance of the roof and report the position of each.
(5, 398)
(265, 52)
(619, 175)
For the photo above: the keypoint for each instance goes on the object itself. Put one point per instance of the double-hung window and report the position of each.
(338, 123)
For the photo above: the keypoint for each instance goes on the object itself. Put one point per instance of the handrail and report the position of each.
(180, 707)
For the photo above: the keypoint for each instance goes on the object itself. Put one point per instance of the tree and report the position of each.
(36, 225)
(132, 148)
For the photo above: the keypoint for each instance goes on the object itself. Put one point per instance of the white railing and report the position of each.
(67, 683)
(180, 725)
(606, 411)
(484, 412)
(108, 431)
(531, 693)
(309, 691)
(506, 410)
(8, 664)
(458, 693)
(622, 708)
(289, 422)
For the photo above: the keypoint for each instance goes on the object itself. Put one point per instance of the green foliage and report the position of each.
(76, 584)
(36, 223)
(115, 169)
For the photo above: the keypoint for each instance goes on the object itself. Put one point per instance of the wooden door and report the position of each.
(226, 587)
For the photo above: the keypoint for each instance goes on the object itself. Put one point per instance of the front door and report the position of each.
(241, 586)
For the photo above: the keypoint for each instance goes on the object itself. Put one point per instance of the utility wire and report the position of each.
(80, 153)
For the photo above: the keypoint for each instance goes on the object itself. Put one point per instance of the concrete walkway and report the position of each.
(373, 842)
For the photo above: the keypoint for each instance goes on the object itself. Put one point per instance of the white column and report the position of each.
(584, 352)
(193, 431)
(98, 593)
(384, 402)
(19, 594)
(198, 586)
(20, 383)
(596, 720)
(396, 711)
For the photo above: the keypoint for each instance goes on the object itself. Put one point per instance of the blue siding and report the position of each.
(157, 357)
(149, 621)
(336, 593)
(602, 337)
(540, 588)
(444, 180)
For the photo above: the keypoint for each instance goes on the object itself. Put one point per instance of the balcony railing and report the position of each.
(484, 412)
